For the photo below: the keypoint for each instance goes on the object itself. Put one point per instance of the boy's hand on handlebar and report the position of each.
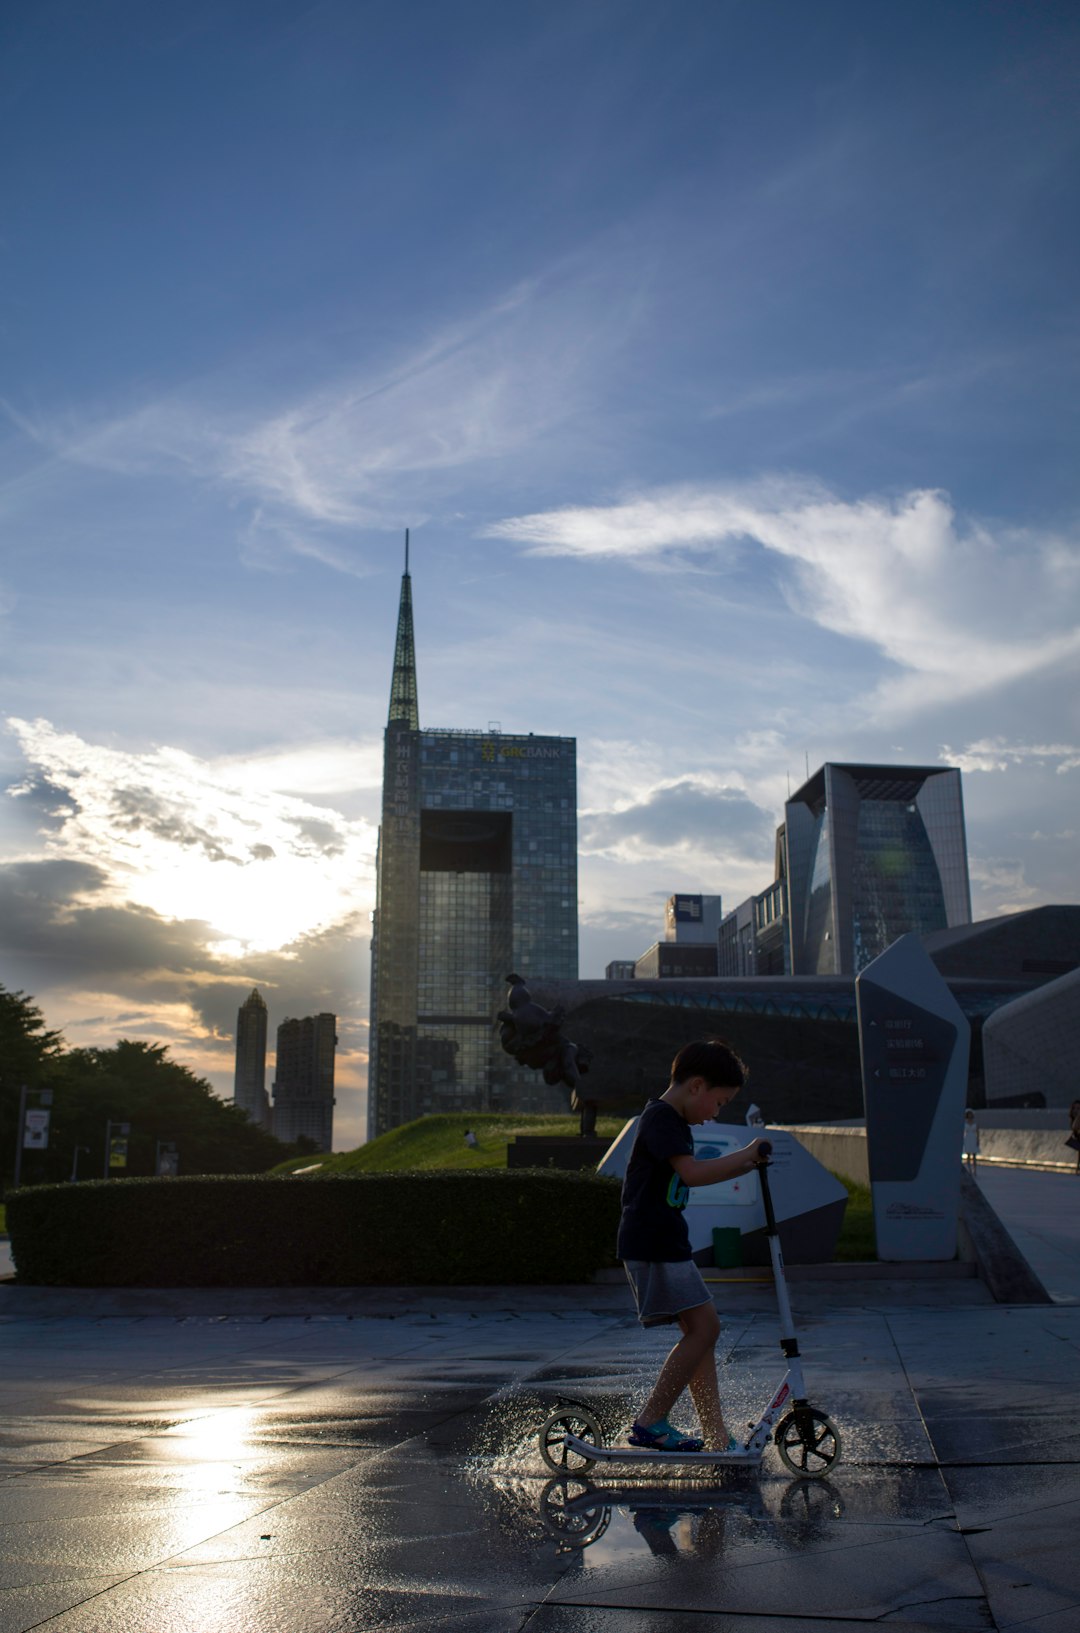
(759, 1152)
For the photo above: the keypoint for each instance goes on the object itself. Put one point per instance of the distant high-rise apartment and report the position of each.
(692, 918)
(476, 877)
(249, 1083)
(872, 852)
(304, 1080)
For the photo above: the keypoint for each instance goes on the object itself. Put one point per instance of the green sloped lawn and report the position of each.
(439, 1142)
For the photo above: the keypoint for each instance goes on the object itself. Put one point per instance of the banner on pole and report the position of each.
(36, 1130)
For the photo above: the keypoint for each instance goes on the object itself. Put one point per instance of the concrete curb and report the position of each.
(295, 1303)
(838, 1270)
(999, 1261)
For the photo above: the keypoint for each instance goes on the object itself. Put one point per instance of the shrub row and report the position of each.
(489, 1227)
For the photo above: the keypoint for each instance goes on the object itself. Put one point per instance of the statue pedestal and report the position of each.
(572, 1151)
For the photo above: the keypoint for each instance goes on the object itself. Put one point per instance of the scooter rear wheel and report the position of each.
(569, 1515)
(569, 1420)
(808, 1443)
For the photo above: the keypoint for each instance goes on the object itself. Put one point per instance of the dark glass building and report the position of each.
(871, 853)
(477, 876)
(799, 1036)
(667, 959)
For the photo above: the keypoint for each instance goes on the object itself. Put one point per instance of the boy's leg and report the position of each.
(705, 1394)
(690, 1363)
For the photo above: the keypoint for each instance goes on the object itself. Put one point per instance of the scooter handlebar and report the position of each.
(764, 1150)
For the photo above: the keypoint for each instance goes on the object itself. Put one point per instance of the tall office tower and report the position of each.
(872, 852)
(249, 1084)
(304, 1080)
(476, 876)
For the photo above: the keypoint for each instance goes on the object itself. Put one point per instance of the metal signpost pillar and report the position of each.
(116, 1146)
(33, 1126)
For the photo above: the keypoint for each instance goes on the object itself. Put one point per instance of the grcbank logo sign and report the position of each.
(492, 749)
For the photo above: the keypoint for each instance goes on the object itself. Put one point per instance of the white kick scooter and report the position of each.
(572, 1439)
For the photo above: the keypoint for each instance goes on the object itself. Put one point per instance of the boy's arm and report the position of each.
(711, 1170)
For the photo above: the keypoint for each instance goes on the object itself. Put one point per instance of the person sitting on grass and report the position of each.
(654, 1243)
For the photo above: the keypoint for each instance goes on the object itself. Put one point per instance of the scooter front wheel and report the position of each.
(569, 1420)
(808, 1443)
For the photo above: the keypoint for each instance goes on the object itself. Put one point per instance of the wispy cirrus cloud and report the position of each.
(997, 754)
(389, 426)
(999, 885)
(951, 603)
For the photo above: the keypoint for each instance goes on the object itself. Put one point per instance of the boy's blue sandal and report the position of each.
(661, 1437)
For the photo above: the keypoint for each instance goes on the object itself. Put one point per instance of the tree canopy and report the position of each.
(132, 1082)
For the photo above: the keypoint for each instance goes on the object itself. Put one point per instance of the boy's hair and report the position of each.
(712, 1059)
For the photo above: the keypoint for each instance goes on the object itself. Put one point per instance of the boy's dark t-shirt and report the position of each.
(653, 1196)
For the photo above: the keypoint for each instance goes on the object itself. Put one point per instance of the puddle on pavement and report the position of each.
(886, 1477)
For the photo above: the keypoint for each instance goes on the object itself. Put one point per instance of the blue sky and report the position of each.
(721, 357)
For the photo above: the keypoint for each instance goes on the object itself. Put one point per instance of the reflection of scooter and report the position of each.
(572, 1439)
(578, 1513)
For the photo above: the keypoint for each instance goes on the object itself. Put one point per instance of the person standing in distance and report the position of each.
(654, 1243)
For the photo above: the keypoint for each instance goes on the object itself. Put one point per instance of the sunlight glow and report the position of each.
(180, 837)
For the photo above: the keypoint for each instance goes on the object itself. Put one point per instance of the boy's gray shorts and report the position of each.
(663, 1290)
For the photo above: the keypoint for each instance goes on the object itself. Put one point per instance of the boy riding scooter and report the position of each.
(654, 1243)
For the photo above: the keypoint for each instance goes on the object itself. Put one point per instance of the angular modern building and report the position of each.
(304, 1080)
(476, 876)
(249, 1083)
(872, 852)
(1030, 1048)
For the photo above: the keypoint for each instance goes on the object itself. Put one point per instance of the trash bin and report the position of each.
(727, 1247)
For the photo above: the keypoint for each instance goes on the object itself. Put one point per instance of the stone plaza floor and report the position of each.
(279, 1461)
(376, 1468)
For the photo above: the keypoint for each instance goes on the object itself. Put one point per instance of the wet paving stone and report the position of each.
(384, 1473)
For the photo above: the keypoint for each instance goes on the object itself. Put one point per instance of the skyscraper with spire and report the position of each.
(249, 1083)
(476, 876)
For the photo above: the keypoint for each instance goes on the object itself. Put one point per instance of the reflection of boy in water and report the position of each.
(654, 1243)
(707, 1531)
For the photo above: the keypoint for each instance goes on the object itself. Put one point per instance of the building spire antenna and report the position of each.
(403, 705)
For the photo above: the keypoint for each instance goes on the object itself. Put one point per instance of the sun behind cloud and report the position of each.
(181, 837)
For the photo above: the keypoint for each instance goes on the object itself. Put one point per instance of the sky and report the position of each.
(720, 355)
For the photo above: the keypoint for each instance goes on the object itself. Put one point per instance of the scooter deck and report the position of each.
(743, 1457)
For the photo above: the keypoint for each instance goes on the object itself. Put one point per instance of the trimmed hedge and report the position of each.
(484, 1228)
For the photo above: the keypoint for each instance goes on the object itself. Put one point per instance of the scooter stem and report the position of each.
(787, 1323)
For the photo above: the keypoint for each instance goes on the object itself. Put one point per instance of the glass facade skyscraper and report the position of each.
(304, 1080)
(872, 853)
(477, 876)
